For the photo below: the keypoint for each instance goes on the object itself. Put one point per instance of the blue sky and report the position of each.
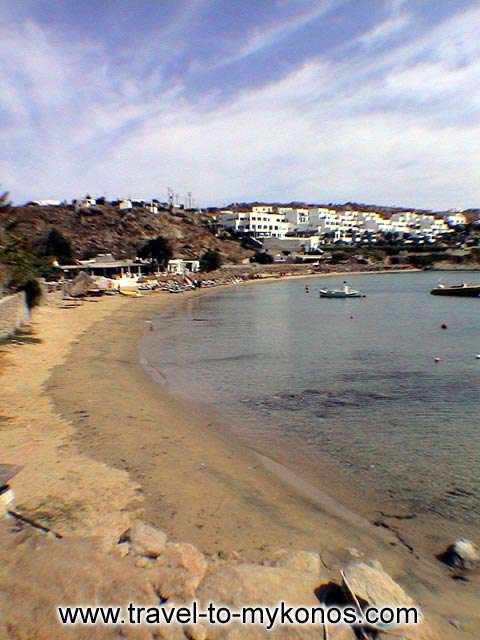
(316, 100)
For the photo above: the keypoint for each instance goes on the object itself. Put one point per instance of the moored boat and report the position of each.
(464, 290)
(346, 292)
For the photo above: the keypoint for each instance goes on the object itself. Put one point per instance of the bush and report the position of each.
(58, 246)
(19, 265)
(262, 258)
(339, 256)
(422, 261)
(210, 260)
(157, 249)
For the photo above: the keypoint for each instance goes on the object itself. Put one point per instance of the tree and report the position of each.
(262, 258)
(20, 267)
(339, 256)
(158, 249)
(58, 247)
(210, 260)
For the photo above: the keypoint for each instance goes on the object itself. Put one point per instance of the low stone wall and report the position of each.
(13, 313)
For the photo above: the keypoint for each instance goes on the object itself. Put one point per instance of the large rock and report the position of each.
(462, 555)
(250, 585)
(372, 585)
(39, 573)
(304, 561)
(145, 540)
(256, 584)
(178, 571)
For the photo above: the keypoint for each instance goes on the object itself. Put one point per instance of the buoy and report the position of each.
(478, 356)
(444, 325)
(437, 359)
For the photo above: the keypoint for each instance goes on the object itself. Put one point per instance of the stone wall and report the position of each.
(13, 313)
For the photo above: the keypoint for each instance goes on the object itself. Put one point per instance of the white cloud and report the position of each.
(328, 131)
(262, 38)
(386, 29)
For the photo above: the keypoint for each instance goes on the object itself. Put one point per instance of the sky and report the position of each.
(372, 101)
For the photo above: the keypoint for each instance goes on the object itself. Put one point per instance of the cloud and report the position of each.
(402, 128)
(386, 29)
(259, 39)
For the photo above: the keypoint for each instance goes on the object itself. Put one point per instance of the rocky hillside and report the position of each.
(106, 229)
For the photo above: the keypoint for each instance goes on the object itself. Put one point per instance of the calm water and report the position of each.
(355, 379)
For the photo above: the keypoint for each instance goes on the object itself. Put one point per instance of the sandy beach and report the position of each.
(102, 444)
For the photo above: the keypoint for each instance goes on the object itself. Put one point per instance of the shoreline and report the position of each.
(422, 532)
(218, 484)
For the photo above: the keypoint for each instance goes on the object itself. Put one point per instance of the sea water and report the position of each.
(353, 379)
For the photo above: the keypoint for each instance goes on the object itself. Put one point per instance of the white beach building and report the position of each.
(179, 266)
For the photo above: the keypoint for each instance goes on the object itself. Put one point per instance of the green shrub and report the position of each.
(262, 258)
(210, 260)
(157, 249)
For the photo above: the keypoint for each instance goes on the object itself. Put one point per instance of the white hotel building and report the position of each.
(335, 225)
(256, 223)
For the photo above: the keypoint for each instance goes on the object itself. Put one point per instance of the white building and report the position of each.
(87, 202)
(311, 244)
(152, 207)
(456, 220)
(180, 267)
(262, 208)
(125, 205)
(425, 226)
(296, 216)
(256, 224)
(47, 203)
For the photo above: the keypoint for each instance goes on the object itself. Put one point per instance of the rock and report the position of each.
(250, 584)
(6, 501)
(196, 632)
(122, 549)
(143, 562)
(304, 561)
(372, 585)
(462, 554)
(178, 571)
(237, 632)
(145, 540)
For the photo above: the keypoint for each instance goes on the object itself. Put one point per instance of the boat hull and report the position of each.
(340, 294)
(461, 291)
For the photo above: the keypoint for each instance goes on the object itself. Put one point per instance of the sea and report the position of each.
(387, 386)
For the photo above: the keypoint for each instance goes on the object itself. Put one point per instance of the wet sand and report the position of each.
(103, 443)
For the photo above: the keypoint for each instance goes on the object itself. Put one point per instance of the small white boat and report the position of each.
(346, 292)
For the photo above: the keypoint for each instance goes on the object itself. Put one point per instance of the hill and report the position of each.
(106, 229)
